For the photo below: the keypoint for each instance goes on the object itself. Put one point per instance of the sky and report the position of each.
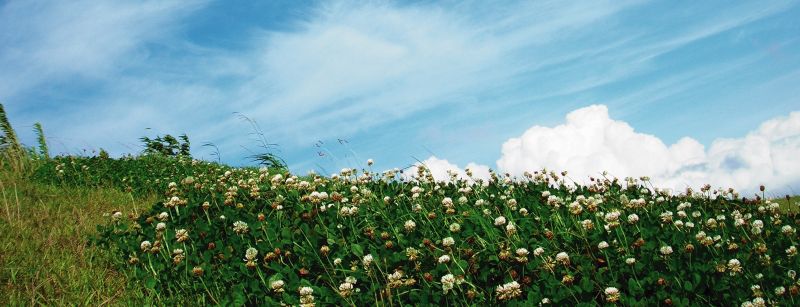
(687, 93)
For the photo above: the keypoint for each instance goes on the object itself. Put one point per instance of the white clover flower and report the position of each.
(487, 212)
(523, 211)
(697, 214)
(633, 218)
(395, 276)
(409, 225)
(700, 235)
(689, 225)
(344, 287)
(161, 226)
(780, 291)
(759, 276)
(666, 250)
(444, 259)
(416, 208)
(448, 279)
(447, 202)
(145, 245)
(510, 228)
(306, 291)
(538, 251)
(522, 252)
(587, 224)
(250, 254)
(791, 274)
(602, 245)
(735, 266)
(370, 162)
(759, 302)
(546, 194)
(163, 216)
(563, 258)
(791, 251)
(448, 241)
(612, 294)
(337, 261)
(787, 230)
(499, 221)
(679, 223)
(240, 227)
(455, 227)
(350, 280)
(275, 285)
(630, 261)
(367, 260)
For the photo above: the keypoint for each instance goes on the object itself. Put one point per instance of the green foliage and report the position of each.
(349, 239)
(43, 152)
(8, 138)
(167, 146)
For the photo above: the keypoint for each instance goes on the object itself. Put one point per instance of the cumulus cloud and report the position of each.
(439, 169)
(590, 142)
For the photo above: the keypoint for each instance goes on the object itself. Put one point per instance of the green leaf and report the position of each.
(239, 298)
(688, 286)
(150, 283)
(357, 249)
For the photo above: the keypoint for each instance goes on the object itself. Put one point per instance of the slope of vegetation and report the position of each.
(161, 228)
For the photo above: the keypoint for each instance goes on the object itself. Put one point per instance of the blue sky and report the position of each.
(679, 91)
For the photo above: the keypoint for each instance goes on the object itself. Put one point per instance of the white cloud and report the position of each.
(439, 169)
(590, 142)
(57, 40)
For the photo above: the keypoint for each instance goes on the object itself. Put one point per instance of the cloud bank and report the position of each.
(590, 142)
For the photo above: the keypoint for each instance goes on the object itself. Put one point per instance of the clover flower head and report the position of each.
(367, 260)
(630, 261)
(499, 221)
(612, 294)
(509, 290)
(455, 227)
(161, 226)
(510, 228)
(666, 250)
(240, 227)
(448, 241)
(633, 218)
(563, 258)
(345, 287)
(602, 245)
(409, 225)
(145, 245)
(306, 291)
(538, 251)
(337, 261)
(444, 259)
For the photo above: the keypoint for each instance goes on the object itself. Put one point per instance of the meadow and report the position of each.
(161, 228)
